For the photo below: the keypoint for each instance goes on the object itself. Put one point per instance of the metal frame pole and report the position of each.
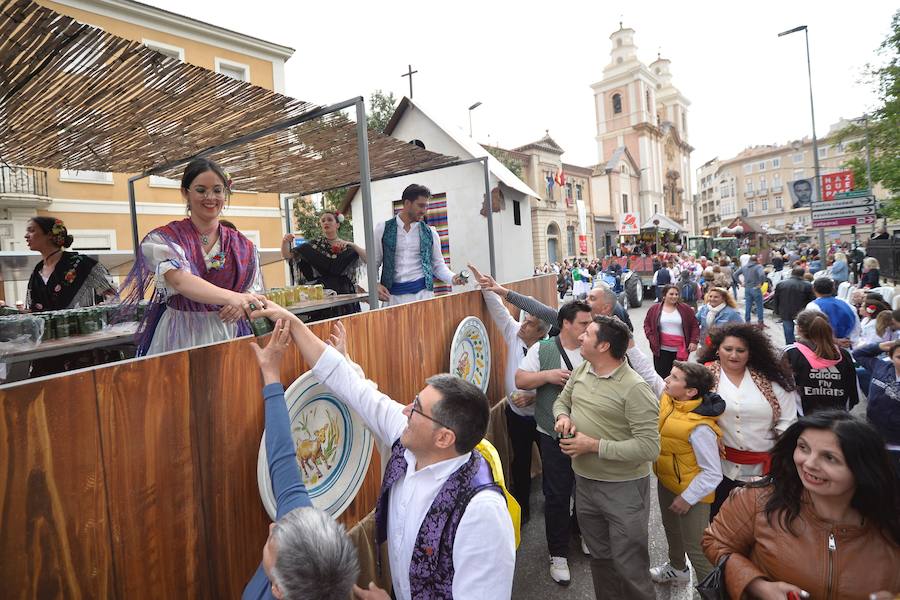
(365, 188)
(490, 216)
(287, 229)
(132, 207)
(812, 112)
(869, 173)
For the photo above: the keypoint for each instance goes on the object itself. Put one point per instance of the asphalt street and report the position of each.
(532, 578)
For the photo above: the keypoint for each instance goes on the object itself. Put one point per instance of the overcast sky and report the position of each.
(531, 64)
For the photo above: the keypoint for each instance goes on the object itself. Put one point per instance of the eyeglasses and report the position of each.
(215, 192)
(417, 408)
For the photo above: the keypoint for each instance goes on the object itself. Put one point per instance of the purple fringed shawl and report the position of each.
(237, 274)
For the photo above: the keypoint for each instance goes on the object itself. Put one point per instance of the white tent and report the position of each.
(664, 223)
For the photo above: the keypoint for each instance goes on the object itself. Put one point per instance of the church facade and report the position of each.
(644, 164)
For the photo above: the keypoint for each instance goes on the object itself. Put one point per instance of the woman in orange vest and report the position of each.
(688, 467)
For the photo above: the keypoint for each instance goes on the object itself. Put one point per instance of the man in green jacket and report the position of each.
(609, 420)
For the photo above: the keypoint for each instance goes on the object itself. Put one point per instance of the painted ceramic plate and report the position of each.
(333, 448)
(470, 353)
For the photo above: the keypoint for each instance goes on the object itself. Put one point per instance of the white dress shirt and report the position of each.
(407, 259)
(705, 444)
(484, 553)
(746, 423)
(515, 348)
(531, 363)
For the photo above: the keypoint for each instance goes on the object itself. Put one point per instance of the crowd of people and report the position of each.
(762, 469)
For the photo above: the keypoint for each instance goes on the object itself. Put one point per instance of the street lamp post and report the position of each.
(471, 108)
(812, 111)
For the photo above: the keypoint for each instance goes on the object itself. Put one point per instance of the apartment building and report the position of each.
(94, 205)
(755, 183)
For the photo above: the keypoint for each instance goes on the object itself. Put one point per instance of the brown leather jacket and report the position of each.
(830, 561)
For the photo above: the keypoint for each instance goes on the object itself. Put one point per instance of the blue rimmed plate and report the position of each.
(332, 445)
(470, 353)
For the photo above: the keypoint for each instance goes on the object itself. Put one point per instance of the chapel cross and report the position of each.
(409, 74)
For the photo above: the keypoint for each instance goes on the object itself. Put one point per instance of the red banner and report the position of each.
(582, 244)
(836, 183)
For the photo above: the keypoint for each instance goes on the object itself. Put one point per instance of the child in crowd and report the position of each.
(688, 467)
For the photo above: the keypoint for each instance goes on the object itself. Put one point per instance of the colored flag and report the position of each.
(560, 177)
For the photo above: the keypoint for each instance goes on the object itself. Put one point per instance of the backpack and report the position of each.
(688, 291)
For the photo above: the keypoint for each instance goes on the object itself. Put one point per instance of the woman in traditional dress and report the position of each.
(327, 260)
(206, 276)
(62, 279)
(760, 401)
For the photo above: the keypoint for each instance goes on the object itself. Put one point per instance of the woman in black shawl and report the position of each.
(326, 260)
(64, 280)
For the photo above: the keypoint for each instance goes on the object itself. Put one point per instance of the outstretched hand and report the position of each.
(486, 282)
(269, 358)
(338, 338)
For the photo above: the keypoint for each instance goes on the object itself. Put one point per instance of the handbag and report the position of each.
(713, 585)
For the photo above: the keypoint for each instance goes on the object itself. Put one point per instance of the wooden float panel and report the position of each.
(153, 480)
(54, 524)
(228, 416)
(153, 461)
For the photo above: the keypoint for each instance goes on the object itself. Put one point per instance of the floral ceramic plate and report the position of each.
(333, 448)
(470, 353)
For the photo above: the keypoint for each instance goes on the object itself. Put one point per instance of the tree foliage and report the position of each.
(883, 126)
(510, 163)
(381, 108)
(306, 214)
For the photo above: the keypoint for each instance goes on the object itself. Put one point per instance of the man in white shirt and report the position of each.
(409, 252)
(546, 369)
(433, 464)
(520, 423)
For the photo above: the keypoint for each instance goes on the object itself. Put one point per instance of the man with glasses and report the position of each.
(446, 523)
(608, 419)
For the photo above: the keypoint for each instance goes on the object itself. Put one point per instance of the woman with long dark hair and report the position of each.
(206, 276)
(760, 401)
(824, 373)
(824, 523)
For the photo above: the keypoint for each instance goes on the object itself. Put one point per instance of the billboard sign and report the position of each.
(802, 191)
(836, 183)
(629, 224)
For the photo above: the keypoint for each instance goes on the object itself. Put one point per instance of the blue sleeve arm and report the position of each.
(867, 355)
(290, 492)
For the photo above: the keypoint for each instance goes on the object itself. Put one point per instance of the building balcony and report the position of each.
(775, 188)
(23, 187)
(749, 193)
(762, 192)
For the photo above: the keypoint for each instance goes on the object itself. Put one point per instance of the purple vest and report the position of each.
(431, 567)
